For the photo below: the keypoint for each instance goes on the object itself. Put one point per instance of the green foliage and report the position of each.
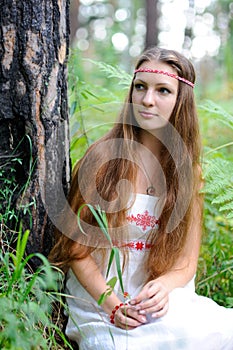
(93, 107)
(10, 190)
(218, 161)
(219, 184)
(7, 190)
(26, 299)
(215, 269)
(124, 79)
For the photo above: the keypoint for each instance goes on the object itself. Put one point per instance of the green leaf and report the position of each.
(114, 72)
(112, 282)
(99, 218)
(110, 261)
(73, 107)
(118, 265)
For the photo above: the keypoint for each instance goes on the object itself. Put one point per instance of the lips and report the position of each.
(147, 115)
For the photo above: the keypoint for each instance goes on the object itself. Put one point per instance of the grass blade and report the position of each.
(118, 265)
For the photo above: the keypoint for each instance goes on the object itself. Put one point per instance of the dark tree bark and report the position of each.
(33, 110)
(152, 16)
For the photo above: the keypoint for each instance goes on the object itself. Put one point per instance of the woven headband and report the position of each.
(147, 70)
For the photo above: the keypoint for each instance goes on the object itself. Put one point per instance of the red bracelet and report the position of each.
(114, 311)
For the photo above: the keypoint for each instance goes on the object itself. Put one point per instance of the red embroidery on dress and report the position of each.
(138, 245)
(148, 245)
(130, 245)
(144, 220)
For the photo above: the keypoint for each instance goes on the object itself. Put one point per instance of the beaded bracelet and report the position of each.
(114, 311)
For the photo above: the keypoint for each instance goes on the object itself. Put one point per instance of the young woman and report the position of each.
(146, 175)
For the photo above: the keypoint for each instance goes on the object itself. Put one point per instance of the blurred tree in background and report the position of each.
(152, 19)
(117, 31)
(223, 12)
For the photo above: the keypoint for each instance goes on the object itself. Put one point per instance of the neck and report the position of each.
(151, 142)
(148, 158)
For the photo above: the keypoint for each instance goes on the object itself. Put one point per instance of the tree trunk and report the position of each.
(188, 32)
(33, 110)
(74, 23)
(152, 16)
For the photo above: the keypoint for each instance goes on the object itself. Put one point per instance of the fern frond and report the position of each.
(224, 197)
(218, 113)
(230, 215)
(217, 167)
(217, 175)
(215, 187)
(219, 184)
(114, 72)
(227, 207)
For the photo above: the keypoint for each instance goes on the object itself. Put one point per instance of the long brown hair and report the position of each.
(110, 159)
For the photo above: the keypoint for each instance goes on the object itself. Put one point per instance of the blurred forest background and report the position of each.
(115, 32)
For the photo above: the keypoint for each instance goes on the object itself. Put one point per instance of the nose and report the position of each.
(149, 98)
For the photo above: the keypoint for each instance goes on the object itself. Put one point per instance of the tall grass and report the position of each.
(101, 219)
(26, 300)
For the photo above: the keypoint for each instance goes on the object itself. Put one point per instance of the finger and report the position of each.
(154, 305)
(161, 312)
(144, 294)
(140, 298)
(127, 323)
(128, 318)
(150, 289)
(134, 314)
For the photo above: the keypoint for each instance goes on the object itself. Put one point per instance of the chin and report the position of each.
(156, 126)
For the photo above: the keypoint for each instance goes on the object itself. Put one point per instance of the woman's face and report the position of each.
(154, 96)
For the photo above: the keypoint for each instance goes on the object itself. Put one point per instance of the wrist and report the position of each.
(109, 304)
(114, 310)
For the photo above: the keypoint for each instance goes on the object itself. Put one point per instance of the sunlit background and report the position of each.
(96, 19)
(116, 32)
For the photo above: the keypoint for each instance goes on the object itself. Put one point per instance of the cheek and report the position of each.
(137, 96)
(174, 103)
(167, 109)
(171, 105)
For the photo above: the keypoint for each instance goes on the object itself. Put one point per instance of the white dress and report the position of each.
(192, 322)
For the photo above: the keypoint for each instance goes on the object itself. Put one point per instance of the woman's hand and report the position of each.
(153, 299)
(128, 317)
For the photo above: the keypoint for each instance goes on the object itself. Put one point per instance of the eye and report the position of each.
(139, 86)
(164, 91)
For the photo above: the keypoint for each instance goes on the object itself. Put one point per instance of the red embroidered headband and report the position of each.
(164, 73)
